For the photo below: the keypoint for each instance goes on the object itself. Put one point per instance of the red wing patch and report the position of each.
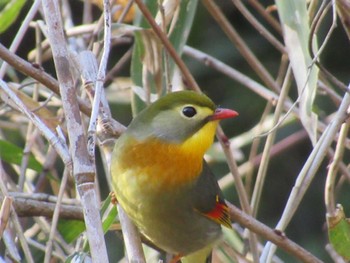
(220, 213)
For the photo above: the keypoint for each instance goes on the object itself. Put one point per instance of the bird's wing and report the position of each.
(208, 198)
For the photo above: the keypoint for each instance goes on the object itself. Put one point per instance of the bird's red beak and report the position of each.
(221, 114)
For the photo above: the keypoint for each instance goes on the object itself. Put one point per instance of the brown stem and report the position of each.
(240, 44)
(38, 74)
(168, 46)
(277, 237)
(25, 207)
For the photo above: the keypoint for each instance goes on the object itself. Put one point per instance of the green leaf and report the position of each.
(70, 230)
(339, 232)
(139, 20)
(296, 30)
(105, 204)
(111, 216)
(136, 73)
(3, 3)
(180, 34)
(9, 13)
(110, 219)
(13, 154)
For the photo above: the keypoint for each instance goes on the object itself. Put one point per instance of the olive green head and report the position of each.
(174, 117)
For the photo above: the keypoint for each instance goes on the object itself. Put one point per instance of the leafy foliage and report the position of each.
(9, 11)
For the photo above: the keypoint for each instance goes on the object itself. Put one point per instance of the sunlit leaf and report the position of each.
(70, 230)
(13, 154)
(136, 75)
(182, 29)
(9, 13)
(150, 52)
(296, 31)
(110, 219)
(339, 232)
(169, 13)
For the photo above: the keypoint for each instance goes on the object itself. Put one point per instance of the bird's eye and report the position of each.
(189, 111)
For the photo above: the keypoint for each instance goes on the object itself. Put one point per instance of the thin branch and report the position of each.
(240, 44)
(308, 171)
(5, 211)
(32, 133)
(235, 75)
(268, 146)
(116, 68)
(15, 220)
(242, 194)
(100, 79)
(333, 170)
(267, 15)
(131, 237)
(259, 27)
(20, 33)
(38, 74)
(275, 236)
(190, 81)
(32, 205)
(54, 140)
(55, 217)
(41, 247)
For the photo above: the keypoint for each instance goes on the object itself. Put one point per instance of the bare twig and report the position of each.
(132, 238)
(54, 140)
(309, 170)
(240, 44)
(116, 68)
(275, 236)
(268, 146)
(41, 247)
(20, 34)
(259, 27)
(100, 79)
(267, 15)
(55, 217)
(32, 205)
(15, 220)
(172, 52)
(37, 74)
(333, 169)
(225, 144)
(234, 74)
(5, 213)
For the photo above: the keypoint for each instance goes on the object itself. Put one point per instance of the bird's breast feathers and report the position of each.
(159, 165)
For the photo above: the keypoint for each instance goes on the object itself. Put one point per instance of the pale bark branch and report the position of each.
(83, 166)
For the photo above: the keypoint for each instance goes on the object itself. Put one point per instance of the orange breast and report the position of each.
(160, 165)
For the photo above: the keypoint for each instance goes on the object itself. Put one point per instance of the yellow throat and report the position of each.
(162, 165)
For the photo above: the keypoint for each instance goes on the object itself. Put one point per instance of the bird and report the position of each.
(161, 180)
